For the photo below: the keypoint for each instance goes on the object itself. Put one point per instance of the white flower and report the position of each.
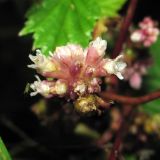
(100, 45)
(136, 36)
(80, 88)
(62, 52)
(115, 66)
(41, 87)
(69, 51)
(60, 88)
(41, 62)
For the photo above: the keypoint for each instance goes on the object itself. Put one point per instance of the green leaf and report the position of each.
(57, 22)
(130, 157)
(153, 82)
(4, 155)
(84, 130)
(110, 7)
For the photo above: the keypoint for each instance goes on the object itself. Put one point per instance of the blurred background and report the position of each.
(23, 133)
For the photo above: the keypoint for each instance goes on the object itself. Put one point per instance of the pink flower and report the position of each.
(134, 74)
(136, 81)
(147, 23)
(75, 71)
(147, 34)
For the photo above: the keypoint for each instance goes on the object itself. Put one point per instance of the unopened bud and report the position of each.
(86, 104)
(60, 88)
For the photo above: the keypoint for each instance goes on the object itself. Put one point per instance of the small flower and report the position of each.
(100, 45)
(115, 66)
(136, 81)
(94, 85)
(48, 88)
(136, 36)
(60, 88)
(133, 74)
(68, 53)
(41, 87)
(147, 34)
(80, 88)
(147, 23)
(42, 63)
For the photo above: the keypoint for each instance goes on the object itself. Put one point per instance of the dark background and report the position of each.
(16, 119)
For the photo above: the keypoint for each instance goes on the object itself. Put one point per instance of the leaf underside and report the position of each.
(57, 22)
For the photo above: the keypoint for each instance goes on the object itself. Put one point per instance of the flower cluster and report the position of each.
(147, 33)
(145, 125)
(72, 71)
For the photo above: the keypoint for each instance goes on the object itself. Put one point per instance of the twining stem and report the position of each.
(129, 103)
(124, 28)
(131, 100)
(125, 100)
(123, 127)
(118, 48)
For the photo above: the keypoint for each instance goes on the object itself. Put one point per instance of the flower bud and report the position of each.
(136, 36)
(86, 104)
(60, 88)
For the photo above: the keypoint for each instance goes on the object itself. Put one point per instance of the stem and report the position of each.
(118, 141)
(127, 110)
(118, 48)
(106, 136)
(124, 29)
(103, 104)
(131, 100)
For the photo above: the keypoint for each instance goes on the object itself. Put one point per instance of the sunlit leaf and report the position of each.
(56, 22)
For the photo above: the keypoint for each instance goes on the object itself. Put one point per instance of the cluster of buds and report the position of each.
(151, 125)
(145, 124)
(134, 74)
(74, 72)
(147, 33)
